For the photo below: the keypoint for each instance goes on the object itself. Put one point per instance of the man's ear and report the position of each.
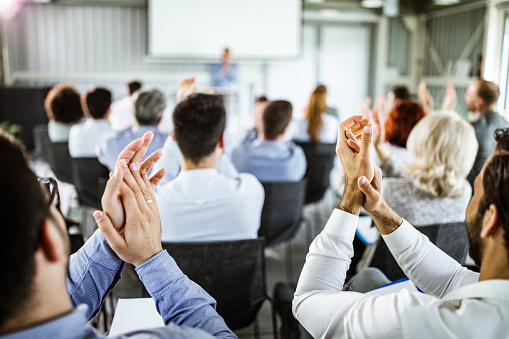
(172, 134)
(491, 222)
(479, 103)
(285, 129)
(50, 242)
(220, 143)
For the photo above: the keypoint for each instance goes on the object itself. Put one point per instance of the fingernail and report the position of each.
(133, 167)
(363, 180)
(98, 215)
(115, 174)
(123, 163)
(367, 129)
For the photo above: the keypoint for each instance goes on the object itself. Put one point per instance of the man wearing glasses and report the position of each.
(44, 293)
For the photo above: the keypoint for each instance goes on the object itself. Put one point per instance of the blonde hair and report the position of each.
(316, 106)
(443, 147)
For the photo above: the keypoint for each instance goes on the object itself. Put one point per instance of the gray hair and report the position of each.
(149, 107)
(443, 147)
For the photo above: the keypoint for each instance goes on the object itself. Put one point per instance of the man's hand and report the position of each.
(354, 134)
(450, 98)
(186, 88)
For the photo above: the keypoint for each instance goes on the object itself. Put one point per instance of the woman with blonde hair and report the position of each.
(317, 125)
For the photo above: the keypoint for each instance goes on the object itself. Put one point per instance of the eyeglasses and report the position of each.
(52, 187)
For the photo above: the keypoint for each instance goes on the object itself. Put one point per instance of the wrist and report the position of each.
(352, 199)
(385, 218)
(147, 257)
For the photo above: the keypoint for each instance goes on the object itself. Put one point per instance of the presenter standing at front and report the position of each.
(224, 74)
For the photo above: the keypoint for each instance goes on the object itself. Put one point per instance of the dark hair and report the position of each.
(496, 181)
(149, 107)
(261, 98)
(23, 207)
(199, 123)
(400, 122)
(63, 104)
(98, 101)
(133, 86)
(401, 93)
(488, 91)
(276, 117)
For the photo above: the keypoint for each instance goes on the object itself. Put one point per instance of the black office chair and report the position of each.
(320, 158)
(60, 161)
(86, 174)
(41, 141)
(451, 238)
(232, 272)
(282, 214)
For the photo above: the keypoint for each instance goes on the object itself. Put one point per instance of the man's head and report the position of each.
(276, 117)
(98, 101)
(481, 96)
(401, 93)
(149, 107)
(31, 230)
(226, 56)
(63, 104)
(199, 124)
(490, 203)
(133, 86)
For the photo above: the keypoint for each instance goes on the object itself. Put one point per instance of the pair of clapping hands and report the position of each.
(130, 218)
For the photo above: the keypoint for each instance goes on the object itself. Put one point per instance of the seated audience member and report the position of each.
(271, 158)
(201, 204)
(481, 97)
(148, 111)
(257, 130)
(47, 294)
(397, 95)
(317, 125)
(456, 302)
(122, 111)
(84, 137)
(63, 107)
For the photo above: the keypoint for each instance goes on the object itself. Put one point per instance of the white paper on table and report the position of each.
(135, 314)
(394, 287)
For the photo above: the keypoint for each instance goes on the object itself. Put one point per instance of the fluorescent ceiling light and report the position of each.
(372, 3)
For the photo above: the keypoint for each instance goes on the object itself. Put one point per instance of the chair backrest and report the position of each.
(282, 210)
(41, 141)
(320, 158)
(60, 161)
(232, 272)
(86, 174)
(451, 238)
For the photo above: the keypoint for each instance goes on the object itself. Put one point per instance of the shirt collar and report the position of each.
(67, 326)
(144, 128)
(489, 289)
(199, 173)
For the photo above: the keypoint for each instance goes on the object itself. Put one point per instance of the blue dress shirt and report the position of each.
(270, 160)
(221, 78)
(111, 146)
(187, 310)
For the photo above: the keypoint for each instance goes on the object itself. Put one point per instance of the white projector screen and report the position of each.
(201, 29)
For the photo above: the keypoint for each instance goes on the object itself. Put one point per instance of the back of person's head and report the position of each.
(495, 181)
(149, 107)
(63, 104)
(443, 148)
(316, 106)
(198, 125)
(276, 117)
(23, 207)
(133, 86)
(261, 99)
(401, 93)
(98, 101)
(489, 92)
(400, 122)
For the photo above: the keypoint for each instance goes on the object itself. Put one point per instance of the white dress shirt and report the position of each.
(122, 113)
(454, 303)
(172, 159)
(328, 133)
(58, 131)
(204, 205)
(84, 137)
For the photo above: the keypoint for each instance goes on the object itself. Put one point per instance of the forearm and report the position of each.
(385, 218)
(352, 198)
(178, 299)
(93, 272)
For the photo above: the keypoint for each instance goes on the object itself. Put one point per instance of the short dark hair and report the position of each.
(23, 207)
(133, 86)
(488, 91)
(261, 98)
(276, 117)
(98, 102)
(199, 122)
(149, 107)
(496, 181)
(401, 92)
(63, 104)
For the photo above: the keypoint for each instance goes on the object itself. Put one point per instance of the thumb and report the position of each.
(366, 137)
(107, 229)
(365, 187)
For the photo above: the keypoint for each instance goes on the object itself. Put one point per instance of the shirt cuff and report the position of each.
(342, 224)
(158, 271)
(399, 240)
(99, 251)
